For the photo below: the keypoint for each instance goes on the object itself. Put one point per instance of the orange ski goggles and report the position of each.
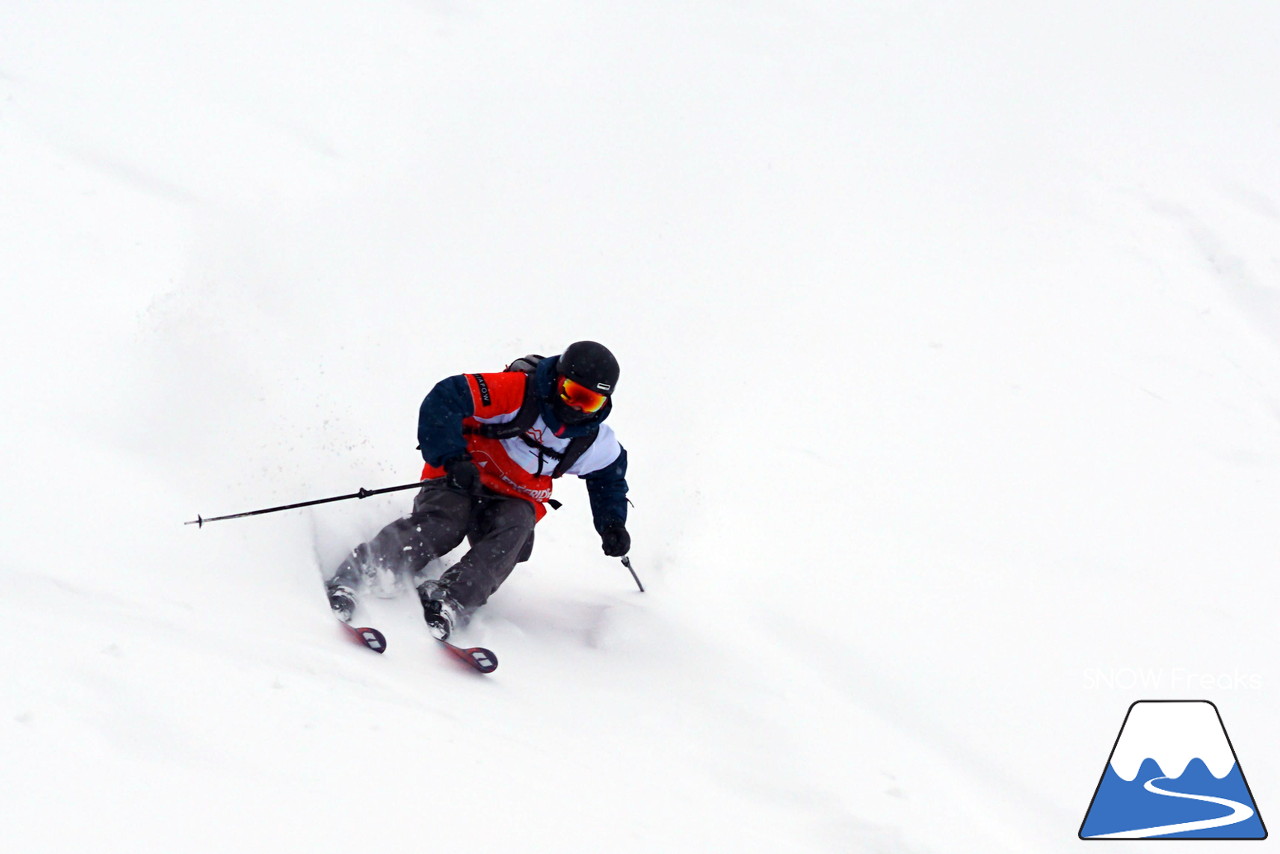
(580, 397)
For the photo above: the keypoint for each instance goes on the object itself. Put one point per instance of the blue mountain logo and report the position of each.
(1173, 774)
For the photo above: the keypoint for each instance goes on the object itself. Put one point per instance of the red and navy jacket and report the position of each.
(520, 466)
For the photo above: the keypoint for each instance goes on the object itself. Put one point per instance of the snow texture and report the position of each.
(950, 345)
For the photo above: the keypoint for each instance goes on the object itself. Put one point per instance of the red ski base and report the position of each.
(476, 657)
(372, 638)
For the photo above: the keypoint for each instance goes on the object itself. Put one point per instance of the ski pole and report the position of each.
(626, 561)
(363, 493)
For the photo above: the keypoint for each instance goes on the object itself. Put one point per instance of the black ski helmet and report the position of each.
(590, 364)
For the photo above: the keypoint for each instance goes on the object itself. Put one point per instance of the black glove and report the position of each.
(615, 540)
(462, 474)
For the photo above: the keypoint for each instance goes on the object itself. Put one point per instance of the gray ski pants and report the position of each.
(499, 529)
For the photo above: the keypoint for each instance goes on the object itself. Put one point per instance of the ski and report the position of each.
(372, 638)
(477, 657)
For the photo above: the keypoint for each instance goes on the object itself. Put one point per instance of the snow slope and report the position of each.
(950, 384)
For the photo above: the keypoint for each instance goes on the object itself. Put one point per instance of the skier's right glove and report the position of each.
(615, 540)
(462, 474)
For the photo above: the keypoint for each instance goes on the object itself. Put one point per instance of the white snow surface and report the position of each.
(950, 338)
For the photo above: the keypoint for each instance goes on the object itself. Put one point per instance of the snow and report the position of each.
(951, 383)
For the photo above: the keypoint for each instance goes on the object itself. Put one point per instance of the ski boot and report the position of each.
(441, 612)
(342, 599)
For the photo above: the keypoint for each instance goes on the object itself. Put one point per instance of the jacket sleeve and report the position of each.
(440, 420)
(607, 490)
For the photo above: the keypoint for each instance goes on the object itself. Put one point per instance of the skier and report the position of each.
(493, 444)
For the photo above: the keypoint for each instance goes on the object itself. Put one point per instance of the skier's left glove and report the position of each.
(615, 540)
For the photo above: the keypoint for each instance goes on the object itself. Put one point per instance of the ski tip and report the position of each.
(372, 638)
(482, 659)
(477, 657)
